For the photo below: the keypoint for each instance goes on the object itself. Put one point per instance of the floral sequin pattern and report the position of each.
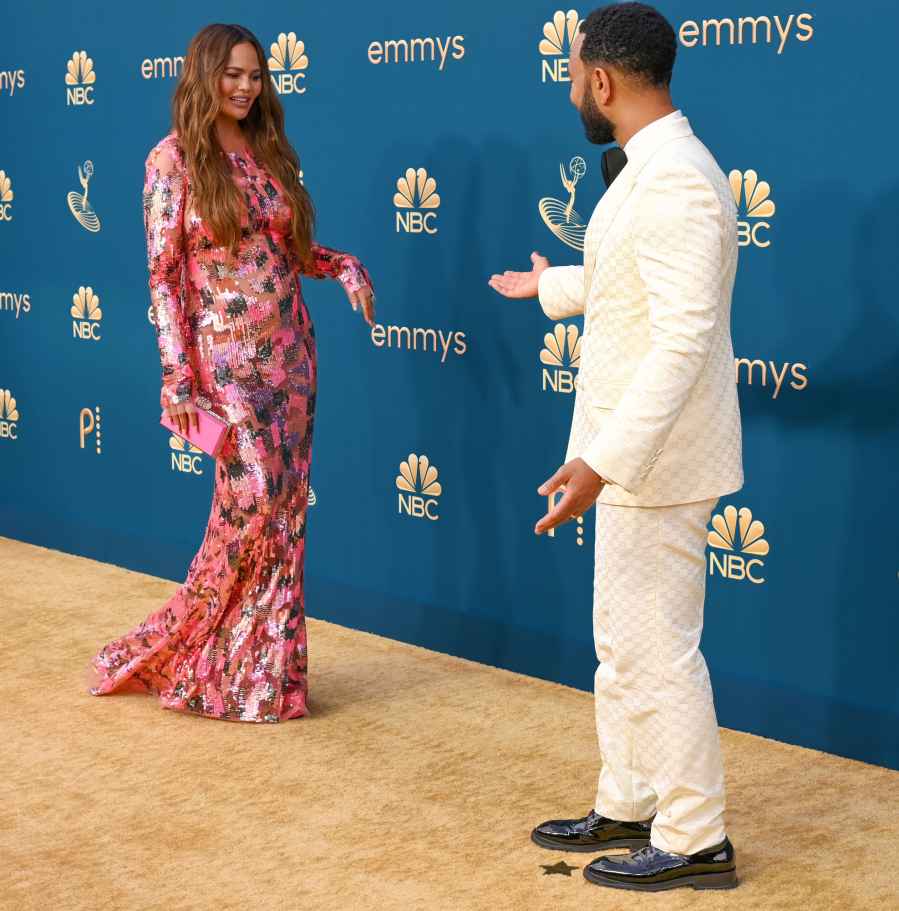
(231, 642)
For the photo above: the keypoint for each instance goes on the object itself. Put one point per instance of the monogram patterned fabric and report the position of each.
(656, 409)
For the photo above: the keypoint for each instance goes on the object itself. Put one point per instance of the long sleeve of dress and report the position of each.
(164, 190)
(346, 268)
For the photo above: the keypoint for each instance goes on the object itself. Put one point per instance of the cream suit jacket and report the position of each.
(656, 411)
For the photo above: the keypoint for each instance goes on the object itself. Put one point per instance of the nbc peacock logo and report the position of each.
(561, 357)
(185, 458)
(6, 196)
(78, 204)
(288, 63)
(86, 314)
(738, 543)
(9, 416)
(555, 45)
(418, 488)
(80, 80)
(754, 207)
(415, 199)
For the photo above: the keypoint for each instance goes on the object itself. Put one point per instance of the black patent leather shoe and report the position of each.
(651, 870)
(593, 832)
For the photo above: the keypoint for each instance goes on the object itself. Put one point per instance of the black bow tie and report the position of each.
(613, 161)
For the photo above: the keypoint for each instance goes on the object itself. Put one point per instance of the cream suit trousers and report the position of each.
(655, 717)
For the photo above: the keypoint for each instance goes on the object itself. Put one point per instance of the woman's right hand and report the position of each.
(184, 414)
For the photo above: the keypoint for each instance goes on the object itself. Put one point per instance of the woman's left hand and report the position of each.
(358, 286)
(364, 298)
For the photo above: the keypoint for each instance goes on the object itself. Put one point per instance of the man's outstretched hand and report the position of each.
(520, 284)
(582, 486)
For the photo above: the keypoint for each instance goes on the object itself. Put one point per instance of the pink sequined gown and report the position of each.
(231, 642)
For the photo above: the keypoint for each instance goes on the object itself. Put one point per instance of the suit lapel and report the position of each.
(617, 194)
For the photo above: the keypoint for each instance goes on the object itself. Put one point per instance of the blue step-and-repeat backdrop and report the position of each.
(434, 139)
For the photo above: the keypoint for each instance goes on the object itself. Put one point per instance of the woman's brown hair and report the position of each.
(195, 106)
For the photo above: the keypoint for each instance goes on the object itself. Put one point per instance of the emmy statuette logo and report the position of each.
(561, 357)
(552, 499)
(86, 314)
(738, 542)
(80, 79)
(555, 45)
(89, 423)
(418, 488)
(288, 63)
(311, 498)
(9, 416)
(560, 216)
(416, 191)
(752, 197)
(6, 197)
(185, 457)
(78, 204)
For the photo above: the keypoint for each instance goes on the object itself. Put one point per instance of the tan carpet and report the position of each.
(413, 786)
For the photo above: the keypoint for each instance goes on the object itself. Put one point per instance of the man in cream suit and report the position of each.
(655, 441)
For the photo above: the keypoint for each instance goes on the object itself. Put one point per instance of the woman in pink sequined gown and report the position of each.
(233, 327)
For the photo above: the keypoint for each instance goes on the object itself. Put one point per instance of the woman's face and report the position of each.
(241, 81)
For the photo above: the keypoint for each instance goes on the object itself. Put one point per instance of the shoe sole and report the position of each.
(725, 880)
(545, 842)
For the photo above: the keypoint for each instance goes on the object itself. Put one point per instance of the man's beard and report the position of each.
(599, 129)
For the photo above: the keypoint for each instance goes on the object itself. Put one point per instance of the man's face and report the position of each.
(598, 128)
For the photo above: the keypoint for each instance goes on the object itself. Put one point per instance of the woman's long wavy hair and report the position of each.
(195, 106)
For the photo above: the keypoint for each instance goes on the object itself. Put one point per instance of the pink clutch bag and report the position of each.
(211, 433)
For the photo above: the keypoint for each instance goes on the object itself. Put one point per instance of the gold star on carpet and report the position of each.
(561, 867)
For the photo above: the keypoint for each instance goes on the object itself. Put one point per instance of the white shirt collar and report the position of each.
(646, 134)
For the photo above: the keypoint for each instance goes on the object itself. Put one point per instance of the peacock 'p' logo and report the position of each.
(753, 200)
(555, 45)
(288, 63)
(81, 78)
(560, 356)
(418, 487)
(741, 540)
(416, 190)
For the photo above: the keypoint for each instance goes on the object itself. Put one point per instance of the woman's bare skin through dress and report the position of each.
(231, 642)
